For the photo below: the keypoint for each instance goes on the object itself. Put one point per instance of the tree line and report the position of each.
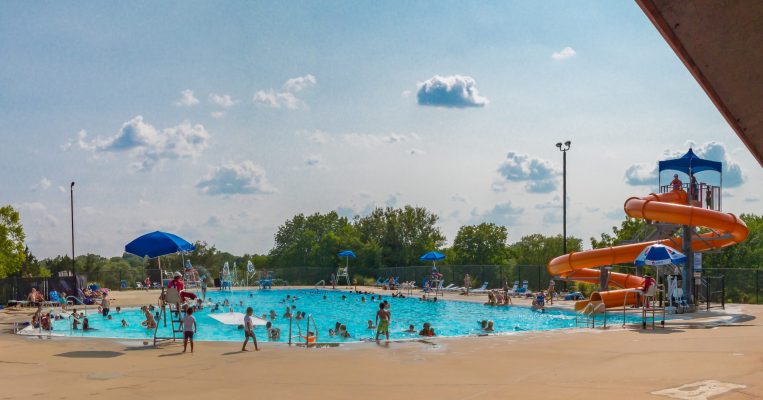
(386, 237)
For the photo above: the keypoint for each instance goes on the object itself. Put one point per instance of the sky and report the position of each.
(219, 121)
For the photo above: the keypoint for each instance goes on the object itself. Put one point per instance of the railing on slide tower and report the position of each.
(704, 195)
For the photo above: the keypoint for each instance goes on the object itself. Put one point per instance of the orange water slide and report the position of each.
(725, 230)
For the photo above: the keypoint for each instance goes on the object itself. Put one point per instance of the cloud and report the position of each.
(285, 98)
(148, 144)
(416, 152)
(454, 91)
(37, 214)
(538, 174)
(222, 100)
(43, 184)
(314, 160)
(217, 114)
(299, 83)
(371, 140)
(565, 53)
(643, 174)
(275, 99)
(187, 99)
(392, 200)
(458, 198)
(753, 199)
(501, 214)
(244, 178)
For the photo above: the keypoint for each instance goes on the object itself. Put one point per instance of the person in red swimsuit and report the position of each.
(676, 183)
(177, 283)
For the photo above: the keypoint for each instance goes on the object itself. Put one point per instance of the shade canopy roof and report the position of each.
(719, 43)
(690, 163)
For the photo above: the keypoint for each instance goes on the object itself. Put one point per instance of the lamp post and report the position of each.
(563, 147)
(71, 205)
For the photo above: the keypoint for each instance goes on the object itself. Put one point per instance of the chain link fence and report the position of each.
(741, 285)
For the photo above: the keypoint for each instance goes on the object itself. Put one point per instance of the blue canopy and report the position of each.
(658, 254)
(157, 244)
(690, 162)
(432, 256)
(347, 253)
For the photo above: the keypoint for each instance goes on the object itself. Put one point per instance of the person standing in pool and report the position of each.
(105, 305)
(204, 287)
(383, 317)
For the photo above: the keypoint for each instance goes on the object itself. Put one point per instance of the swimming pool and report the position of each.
(448, 318)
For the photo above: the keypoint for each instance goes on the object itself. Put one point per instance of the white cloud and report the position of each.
(644, 174)
(458, 198)
(231, 179)
(538, 174)
(222, 100)
(275, 99)
(217, 114)
(641, 174)
(187, 99)
(150, 145)
(406, 94)
(453, 91)
(299, 83)
(501, 214)
(285, 98)
(37, 215)
(371, 140)
(43, 184)
(564, 54)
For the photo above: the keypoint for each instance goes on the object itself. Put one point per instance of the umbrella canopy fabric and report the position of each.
(347, 253)
(658, 254)
(157, 244)
(432, 256)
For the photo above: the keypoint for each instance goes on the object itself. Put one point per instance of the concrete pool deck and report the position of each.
(696, 350)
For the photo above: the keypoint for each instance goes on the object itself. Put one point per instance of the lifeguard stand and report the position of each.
(190, 275)
(343, 272)
(704, 191)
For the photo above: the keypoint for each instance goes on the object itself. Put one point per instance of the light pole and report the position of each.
(563, 148)
(71, 205)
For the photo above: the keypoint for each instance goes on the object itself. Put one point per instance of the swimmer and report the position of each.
(371, 324)
(124, 324)
(411, 329)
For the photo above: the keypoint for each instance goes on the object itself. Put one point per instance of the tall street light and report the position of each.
(563, 148)
(71, 204)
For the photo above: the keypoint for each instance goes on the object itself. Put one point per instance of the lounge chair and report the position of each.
(449, 287)
(481, 289)
(379, 282)
(523, 290)
(514, 288)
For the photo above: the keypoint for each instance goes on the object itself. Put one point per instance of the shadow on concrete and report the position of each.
(90, 354)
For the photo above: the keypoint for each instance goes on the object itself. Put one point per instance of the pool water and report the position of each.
(448, 318)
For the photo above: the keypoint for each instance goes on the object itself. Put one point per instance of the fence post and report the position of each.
(757, 287)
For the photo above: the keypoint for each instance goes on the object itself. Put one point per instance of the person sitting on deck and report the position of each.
(676, 183)
(177, 283)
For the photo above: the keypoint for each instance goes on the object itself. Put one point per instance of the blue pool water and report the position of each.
(448, 318)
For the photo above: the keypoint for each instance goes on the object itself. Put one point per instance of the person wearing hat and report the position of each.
(676, 183)
(177, 283)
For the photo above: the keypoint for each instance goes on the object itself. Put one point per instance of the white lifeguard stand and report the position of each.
(343, 272)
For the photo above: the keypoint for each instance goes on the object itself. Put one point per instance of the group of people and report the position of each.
(694, 189)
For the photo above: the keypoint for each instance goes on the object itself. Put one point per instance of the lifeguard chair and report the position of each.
(343, 272)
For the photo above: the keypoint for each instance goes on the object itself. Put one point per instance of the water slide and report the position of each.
(722, 230)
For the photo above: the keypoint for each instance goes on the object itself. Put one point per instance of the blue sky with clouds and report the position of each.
(220, 120)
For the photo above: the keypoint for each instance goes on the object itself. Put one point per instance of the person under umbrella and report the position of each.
(177, 283)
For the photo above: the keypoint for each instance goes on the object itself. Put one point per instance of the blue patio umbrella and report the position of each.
(347, 254)
(659, 254)
(432, 256)
(157, 244)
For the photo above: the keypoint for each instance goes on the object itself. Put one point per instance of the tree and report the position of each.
(628, 229)
(402, 234)
(748, 254)
(482, 244)
(12, 237)
(31, 267)
(537, 249)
